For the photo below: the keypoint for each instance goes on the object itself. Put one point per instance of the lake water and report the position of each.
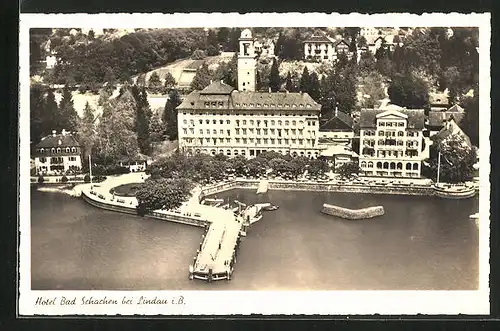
(421, 243)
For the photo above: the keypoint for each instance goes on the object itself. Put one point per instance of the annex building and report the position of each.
(391, 141)
(223, 120)
(57, 153)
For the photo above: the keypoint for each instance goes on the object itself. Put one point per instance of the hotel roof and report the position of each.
(333, 123)
(58, 140)
(319, 39)
(234, 99)
(368, 117)
(437, 118)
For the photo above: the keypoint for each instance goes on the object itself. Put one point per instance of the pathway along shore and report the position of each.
(217, 254)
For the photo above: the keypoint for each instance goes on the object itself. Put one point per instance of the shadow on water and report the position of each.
(420, 243)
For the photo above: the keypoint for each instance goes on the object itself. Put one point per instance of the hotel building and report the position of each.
(222, 120)
(391, 141)
(57, 153)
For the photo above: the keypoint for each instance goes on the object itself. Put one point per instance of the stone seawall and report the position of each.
(161, 215)
(319, 187)
(353, 214)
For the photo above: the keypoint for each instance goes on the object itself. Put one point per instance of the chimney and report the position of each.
(53, 133)
(63, 132)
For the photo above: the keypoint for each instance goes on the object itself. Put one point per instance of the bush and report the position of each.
(41, 179)
(99, 179)
(86, 179)
(101, 170)
(64, 179)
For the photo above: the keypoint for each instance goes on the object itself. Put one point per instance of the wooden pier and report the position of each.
(217, 253)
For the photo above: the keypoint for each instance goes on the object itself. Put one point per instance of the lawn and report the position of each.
(126, 190)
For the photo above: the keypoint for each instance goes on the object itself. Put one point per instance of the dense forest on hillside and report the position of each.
(429, 60)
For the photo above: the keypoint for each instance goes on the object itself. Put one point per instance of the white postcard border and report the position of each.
(255, 302)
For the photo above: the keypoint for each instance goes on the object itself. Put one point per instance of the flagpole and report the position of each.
(439, 166)
(90, 168)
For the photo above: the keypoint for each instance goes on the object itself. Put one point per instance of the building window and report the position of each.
(251, 122)
(201, 121)
(287, 123)
(408, 166)
(244, 122)
(228, 122)
(381, 133)
(73, 149)
(221, 131)
(185, 130)
(386, 165)
(370, 164)
(280, 123)
(415, 166)
(400, 166)
(363, 164)
(237, 131)
(67, 149)
(214, 121)
(207, 121)
(272, 122)
(58, 150)
(381, 123)
(265, 132)
(214, 131)
(43, 160)
(400, 133)
(237, 140)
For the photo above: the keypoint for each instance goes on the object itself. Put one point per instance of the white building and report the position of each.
(220, 119)
(323, 48)
(391, 141)
(264, 48)
(57, 153)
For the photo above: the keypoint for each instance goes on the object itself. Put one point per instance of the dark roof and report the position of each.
(318, 39)
(248, 100)
(342, 41)
(368, 117)
(450, 130)
(437, 118)
(335, 123)
(66, 140)
(273, 100)
(456, 108)
(195, 65)
(217, 87)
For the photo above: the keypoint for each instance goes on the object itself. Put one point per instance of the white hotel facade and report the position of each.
(391, 142)
(222, 120)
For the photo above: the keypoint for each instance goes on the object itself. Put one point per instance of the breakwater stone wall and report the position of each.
(319, 187)
(353, 214)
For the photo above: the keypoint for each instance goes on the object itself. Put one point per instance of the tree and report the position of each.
(170, 115)
(37, 105)
(51, 115)
(317, 167)
(238, 163)
(278, 47)
(258, 83)
(156, 129)
(305, 80)
(164, 194)
(457, 159)
(409, 91)
(212, 43)
(348, 170)
(366, 63)
(470, 122)
(115, 138)
(255, 168)
(202, 78)
(110, 79)
(142, 119)
(372, 89)
(86, 132)
(314, 87)
(297, 166)
(289, 86)
(338, 90)
(199, 54)
(274, 78)
(154, 83)
(169, 82)
(68, 115)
